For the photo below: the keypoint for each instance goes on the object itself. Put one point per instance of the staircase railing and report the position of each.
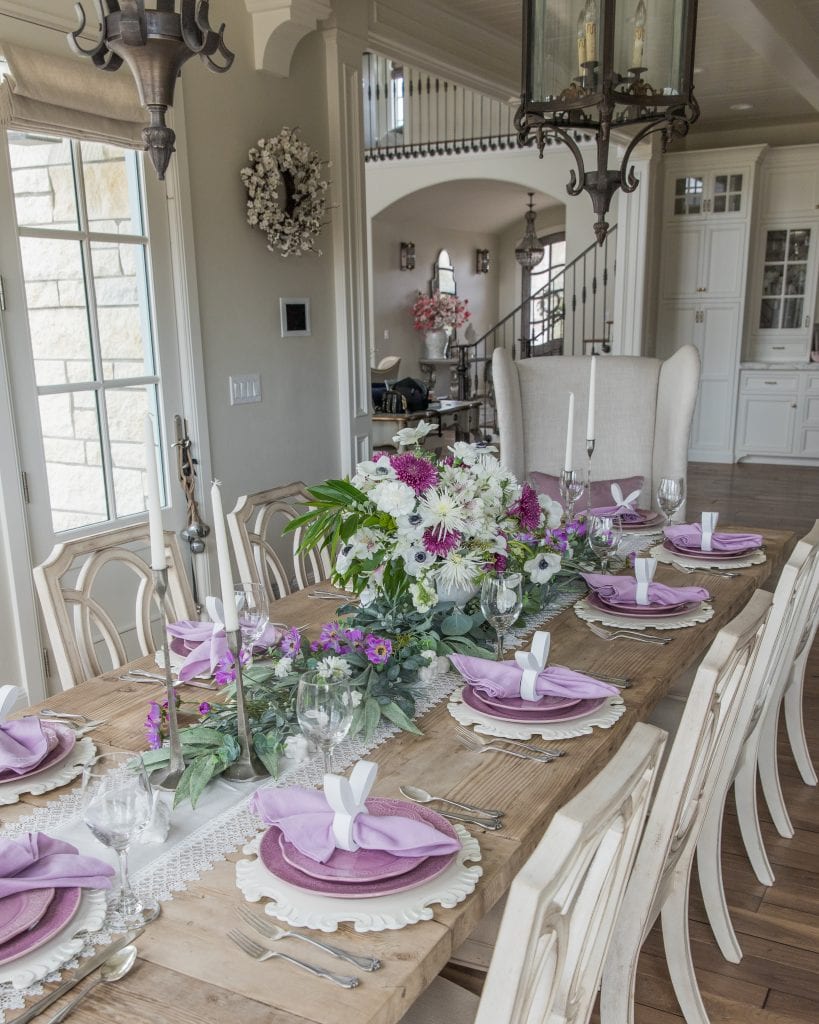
(570, 315)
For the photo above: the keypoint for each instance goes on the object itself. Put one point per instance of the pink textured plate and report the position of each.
(271, 855)
(21, 911)
(635, 611)
(59, 913)
(708, 556)
(650, 518)
(547, 703)
(583, 707)
(66, 738)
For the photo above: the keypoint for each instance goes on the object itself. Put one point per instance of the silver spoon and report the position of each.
(114, 968)
(420, 796)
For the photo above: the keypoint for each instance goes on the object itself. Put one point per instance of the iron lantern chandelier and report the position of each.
(154, 43)
(590, 66)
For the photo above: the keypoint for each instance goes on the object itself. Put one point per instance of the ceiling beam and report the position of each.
(779, 32)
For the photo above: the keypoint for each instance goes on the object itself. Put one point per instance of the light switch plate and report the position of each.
(245, 388)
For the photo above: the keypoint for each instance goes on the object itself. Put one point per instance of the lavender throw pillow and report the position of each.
(549, 485)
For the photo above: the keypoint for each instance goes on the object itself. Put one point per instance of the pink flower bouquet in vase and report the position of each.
(438, 315)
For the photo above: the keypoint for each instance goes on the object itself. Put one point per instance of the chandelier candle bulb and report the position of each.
(590, 19)
(567, 462)
(158, 558)
(639, 35)
(223, 558)
(592, 396)
(581, 42)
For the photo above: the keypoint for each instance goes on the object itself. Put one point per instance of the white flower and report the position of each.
(334, 669)
(470, 453)
(283, 667)
(553, 510)
(409, 436)
(429, 655)
(356, 697)
(442, 511)
(458, 571)
(380, 470)
(394, 497)
(297, 748)
(365, 542)
(416, 558)
(367, 596)
(542, 566)
(344, 558)
(423, 599)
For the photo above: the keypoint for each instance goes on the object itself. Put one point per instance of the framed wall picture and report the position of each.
(295, 318)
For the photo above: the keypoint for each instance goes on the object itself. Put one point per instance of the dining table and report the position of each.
(187, 970)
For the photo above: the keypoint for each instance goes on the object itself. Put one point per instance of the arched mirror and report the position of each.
(443, 274)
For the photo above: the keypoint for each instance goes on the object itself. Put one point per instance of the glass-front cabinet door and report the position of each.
(716, 194)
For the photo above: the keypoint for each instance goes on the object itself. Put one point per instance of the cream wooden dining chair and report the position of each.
(562, 905)
(256, 525)
(693, 773)
(793, 700)
(97, 594)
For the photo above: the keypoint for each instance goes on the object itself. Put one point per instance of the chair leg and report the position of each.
(748, 812)
(619, 981)
(709, 868)
(677, 944)
(769, 773)
(795, 722)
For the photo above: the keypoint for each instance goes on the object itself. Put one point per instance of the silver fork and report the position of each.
(625, 634)
(260, 954)
(470, 738)
(470, 743)
(272, 931)
(51, 713)
(687, 569)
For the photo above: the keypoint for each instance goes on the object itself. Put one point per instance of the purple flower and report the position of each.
(354, 640)
(290, 643)
(225, 672)
(153, 726)
(499, 563)
(329, 638)
(377, 649)
(415, 471)
(440, 544)
(204, 708)
(527, 509)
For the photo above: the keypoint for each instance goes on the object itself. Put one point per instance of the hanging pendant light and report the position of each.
(154, 44)
(529, 250)
(599, 65)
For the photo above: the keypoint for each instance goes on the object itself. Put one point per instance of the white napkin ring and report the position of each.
(627, 504)
(347, 798)
(533, 662)
(709, 524)
(644, 569)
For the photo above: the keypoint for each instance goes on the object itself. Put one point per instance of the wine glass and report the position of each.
(670, 496)
(604, 533)
(571, 488)
(501, 603)
(325, 712)
(254, 613)
(118, 803)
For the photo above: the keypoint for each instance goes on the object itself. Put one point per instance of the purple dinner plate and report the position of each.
(60, 911)
(636, 611)
(583, 707)
(649, 517)
(66, 738)
(21, 911)
(546, 703)
(707, 556)
(272, 856)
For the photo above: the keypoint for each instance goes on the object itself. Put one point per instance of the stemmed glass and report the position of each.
(670, 496)
(118, 803)
(254, 613)
(604, 535)
(571, 488)
(501, 603)
(325, 712)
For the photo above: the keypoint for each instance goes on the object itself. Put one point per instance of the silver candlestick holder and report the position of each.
(168, 778)
(247, 767)
(589, 453)
(571, 488)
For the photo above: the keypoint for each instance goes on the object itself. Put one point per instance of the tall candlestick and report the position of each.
(158, 559)
(581, 42)
(592, 394)
(567, 462)
(590, 20)
(639, 35)
(223, 559)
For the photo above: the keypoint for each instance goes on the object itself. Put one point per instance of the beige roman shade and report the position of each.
(64, 96)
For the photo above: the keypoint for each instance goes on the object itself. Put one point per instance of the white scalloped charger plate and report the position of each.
(603, 718)
(662, 554)
(51, 778)
(587, 612)
(35, 966)
(302, 909)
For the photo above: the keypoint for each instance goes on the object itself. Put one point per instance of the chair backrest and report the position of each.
(98, 588)
(256, 525)
(643, 413)
(562, 905)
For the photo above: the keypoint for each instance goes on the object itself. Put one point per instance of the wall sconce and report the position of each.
(481, 261)
(408, 255)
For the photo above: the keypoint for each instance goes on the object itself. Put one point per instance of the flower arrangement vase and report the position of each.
(436, 343)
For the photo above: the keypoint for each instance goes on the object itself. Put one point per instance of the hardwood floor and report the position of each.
(777, 981)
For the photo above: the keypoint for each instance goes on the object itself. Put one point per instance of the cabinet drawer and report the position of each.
(765, 383)
(811, 382)
(810, 443)
(777, 351)
(811, 410)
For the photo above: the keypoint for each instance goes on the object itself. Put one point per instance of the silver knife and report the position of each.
(82, 972)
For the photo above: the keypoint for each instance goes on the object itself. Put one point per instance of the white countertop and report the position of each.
(785, 367)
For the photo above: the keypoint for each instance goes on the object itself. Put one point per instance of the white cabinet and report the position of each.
(789, 183)
(696, 192)
(700, 259)
(778, 415)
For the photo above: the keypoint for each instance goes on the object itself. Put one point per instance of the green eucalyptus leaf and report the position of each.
(457, 623)
(394, 713)
(372, 716)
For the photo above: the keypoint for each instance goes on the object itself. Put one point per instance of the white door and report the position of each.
(767, 425)
(712, 434)
(723, 268)
(682, 260)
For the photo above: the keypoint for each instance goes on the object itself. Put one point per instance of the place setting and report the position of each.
(632, 519)
(338, 855)
(698, 546)
(524, 698)
(637, 603)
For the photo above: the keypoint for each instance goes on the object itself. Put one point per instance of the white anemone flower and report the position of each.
(394, 497)
(542, 566)
(552, 509)
(442, 511)
(376, 470)
(416, 559)
(407, 437)
(334, 669)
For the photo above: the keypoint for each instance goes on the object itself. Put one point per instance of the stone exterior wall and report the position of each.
(57, 286)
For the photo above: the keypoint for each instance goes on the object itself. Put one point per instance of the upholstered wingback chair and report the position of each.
(643, 413)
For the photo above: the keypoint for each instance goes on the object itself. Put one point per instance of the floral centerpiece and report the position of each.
(437, 315)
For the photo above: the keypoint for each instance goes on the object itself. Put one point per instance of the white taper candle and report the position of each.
(223, 558)
(567, 462)
(592, 397)
(158, 559)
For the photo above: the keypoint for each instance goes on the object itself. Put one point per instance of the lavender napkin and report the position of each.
(501, 680)
(689, 536)
(24, 744)
(36, 861)
(305, 818)
(622, 590)
(204, 644)
(626, 515)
